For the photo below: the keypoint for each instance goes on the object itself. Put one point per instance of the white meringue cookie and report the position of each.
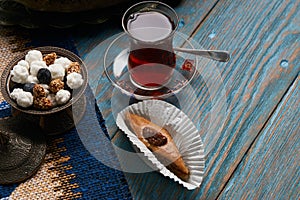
(63, 61)
(19, 74)
(62, 96)
(52, 98)
(15, 93)
(23, 63)
(33, 55)
(32, 79)
(57, 71)
(24, 99)
(74, 80)
(35, 66)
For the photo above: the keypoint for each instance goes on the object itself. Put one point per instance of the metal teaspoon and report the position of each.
(218, 55)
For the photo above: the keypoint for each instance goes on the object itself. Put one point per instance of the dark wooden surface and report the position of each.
(257, 153)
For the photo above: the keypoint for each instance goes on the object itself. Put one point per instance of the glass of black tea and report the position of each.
(150, 26)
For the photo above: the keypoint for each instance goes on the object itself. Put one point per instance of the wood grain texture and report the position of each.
(261, 35)
(270, 170)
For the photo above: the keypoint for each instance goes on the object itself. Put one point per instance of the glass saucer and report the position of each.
(115, 67)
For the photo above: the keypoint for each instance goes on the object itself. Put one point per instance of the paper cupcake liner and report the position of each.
(184, 133)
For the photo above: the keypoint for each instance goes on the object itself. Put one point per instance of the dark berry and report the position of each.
(44, 76)
(28, 87)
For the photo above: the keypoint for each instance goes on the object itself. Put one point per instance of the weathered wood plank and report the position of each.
(270, 170)
(263, 37)
(92, 48)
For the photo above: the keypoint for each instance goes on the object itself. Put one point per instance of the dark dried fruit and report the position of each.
(50, 58)
(153, 137)
(44, 76)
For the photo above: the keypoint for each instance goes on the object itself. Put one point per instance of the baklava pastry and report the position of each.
(160, 142)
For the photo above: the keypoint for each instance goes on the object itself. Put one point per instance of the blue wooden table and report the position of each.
(256, 154)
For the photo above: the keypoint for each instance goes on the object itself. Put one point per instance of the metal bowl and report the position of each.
(59, 118)
(6, 83)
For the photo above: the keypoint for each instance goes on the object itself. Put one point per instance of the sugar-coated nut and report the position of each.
(42, 103)
(74, 80)
(35, 66)
(73, 67)
(33, 55)
(57, 71)
(24, 99)
(62, 96)
(39, 91)
(56, 85)
(23, 63)
(50, 58)
(15, 93)
(19, 74)
(52, 98)
(63, 61)
(32, 79)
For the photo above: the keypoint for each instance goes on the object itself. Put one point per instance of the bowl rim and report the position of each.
(5, 79)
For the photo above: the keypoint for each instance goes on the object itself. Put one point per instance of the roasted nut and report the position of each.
(42, 103)
(56, 85)
(50, 58)
(39, 91)
(153, 137)
(73, 67)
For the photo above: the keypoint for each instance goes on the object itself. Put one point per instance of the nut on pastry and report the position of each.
(160, 142)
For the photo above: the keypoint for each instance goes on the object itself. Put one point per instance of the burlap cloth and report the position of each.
(10, 46)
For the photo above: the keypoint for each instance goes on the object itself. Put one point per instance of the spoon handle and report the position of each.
(218, 55)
